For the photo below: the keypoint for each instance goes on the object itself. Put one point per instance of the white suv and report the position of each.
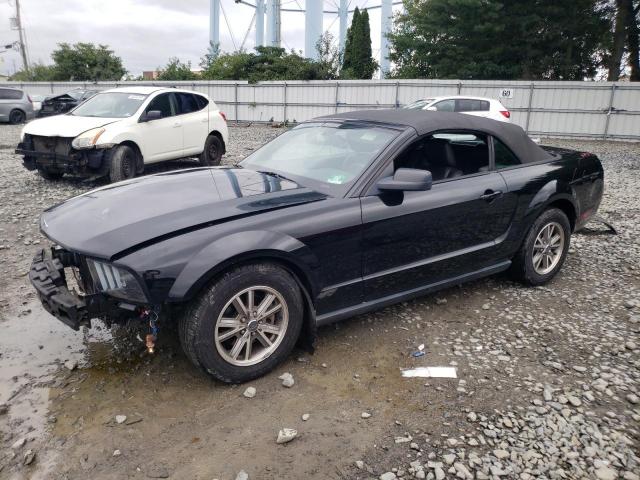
(117, 132)
(478, 106)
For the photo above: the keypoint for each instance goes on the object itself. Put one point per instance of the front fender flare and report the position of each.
(239, 247)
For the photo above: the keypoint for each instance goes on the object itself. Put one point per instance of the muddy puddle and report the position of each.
(34, 350)
(180, 423)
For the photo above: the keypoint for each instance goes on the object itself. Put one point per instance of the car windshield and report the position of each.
(110, 105)
(330, 153)
(418, 104)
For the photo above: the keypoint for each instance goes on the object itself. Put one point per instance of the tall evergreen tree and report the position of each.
(358, 62)
(499, 39)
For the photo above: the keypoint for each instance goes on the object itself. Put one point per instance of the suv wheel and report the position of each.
(244, 324)
(123, 164)
(212, 154)
(16, 117)
(544, 249)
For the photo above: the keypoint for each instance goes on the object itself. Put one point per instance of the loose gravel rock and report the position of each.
(555, 365)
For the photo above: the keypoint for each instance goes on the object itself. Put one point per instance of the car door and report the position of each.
(161, 139)
(8, 101)
(472, 106)
(420, 238)
(195, 123)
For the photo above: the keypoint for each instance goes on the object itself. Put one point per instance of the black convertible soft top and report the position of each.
(425, 122)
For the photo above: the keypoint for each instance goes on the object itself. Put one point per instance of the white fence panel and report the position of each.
(575, 109)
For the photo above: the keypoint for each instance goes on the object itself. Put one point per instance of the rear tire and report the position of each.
(16, 117)
(123, 164)
(49, 174)
(213, 327)
(212, 154)
(544, 249)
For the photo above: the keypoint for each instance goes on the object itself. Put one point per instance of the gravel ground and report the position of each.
(547, 378)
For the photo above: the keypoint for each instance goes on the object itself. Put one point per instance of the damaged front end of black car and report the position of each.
(76, 289)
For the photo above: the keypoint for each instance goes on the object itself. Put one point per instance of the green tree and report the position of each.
(499, 39)
(213, 52)
(357, 61)
(268, 63)
(625, 33)
(86, 62)
(329, 56)
(36, 73)
(176, 70)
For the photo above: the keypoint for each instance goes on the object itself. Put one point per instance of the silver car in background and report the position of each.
(15, 106)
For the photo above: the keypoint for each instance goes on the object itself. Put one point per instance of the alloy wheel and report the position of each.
(548, 248)
(251, 326)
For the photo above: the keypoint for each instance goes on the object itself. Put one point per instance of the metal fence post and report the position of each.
(235, 95)
(397, 94)
(609, 111)
(337, 97)
(459, 87)
(284, 97)
(532, 86)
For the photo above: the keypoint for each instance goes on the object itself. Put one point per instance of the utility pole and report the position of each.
(23, 47)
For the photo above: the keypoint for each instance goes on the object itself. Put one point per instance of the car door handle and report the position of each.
(204, 120)
(176, 125)
(490, 195)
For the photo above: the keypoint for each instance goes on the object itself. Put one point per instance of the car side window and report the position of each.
(186, 103)
(445, 105)
(447, 155)
(163, 103)
(503, 156)
(471, 105)
(10, 94)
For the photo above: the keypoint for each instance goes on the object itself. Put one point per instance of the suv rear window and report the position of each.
(470, 105)
(10, 94)
(202, 102)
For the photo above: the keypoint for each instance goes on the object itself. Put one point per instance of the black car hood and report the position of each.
(64, 97)
(128, 215)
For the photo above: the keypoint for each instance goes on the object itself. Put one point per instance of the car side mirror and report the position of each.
(151, 115)
(431, 109)
(406, 180)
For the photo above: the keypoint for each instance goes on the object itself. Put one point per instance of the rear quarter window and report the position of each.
(504, 157)
(10, 94)
(202, 102)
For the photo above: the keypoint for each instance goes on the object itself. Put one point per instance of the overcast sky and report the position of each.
(145, 33)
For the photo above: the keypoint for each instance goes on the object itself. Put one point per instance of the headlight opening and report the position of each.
(116, 281)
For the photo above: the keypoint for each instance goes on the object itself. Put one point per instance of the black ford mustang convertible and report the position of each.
(336, 217)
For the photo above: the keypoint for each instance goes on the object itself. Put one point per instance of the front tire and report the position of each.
(123, 164)
(544, 249)
(50, 174)
(212, 154)
(243, 324)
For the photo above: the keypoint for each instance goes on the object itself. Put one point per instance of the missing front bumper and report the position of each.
(47, 275)
(94, 162)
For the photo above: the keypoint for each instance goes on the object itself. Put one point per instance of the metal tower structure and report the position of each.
(314, 12)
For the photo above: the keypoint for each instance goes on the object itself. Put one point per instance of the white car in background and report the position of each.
(117, 132)
(478, 106)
